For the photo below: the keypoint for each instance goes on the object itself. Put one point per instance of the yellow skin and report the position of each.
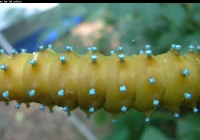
(79, 74)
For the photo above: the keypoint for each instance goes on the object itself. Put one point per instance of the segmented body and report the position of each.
(92, 81)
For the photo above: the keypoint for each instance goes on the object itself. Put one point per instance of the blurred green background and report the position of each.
(109, 26)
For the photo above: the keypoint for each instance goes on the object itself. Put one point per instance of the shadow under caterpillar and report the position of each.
(92, 81)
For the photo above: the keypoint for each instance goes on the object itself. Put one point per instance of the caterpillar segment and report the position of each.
(117, 83)
(63, 78)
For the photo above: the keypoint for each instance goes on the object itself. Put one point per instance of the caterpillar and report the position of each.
(93, 81)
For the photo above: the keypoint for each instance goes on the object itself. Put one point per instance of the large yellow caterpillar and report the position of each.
(92, 81)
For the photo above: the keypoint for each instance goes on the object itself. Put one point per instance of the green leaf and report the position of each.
(188, 127)
(174, 12)
(152, 133)
(196, 16)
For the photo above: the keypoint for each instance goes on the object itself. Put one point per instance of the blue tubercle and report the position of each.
(69, 48)
(123, 109)
(94, 49)
(123, 88)
(13, 52)
(147, 120)
(23, 50)
(178, 47)
(120, 49)
(32, 93)
(50, 46)
(187, 96)
(32, 62)
(3, 67)
(61, 93)
(63, 58)
(195, 110)
(121, 57)
(42, 48)
(152, 80)
(148, 52)
(176, 115)
(191, 47)
(112, 52)
(42, 107)
(114, 121)
(92, 92)
(6, 94)
(156, 102)
(147, 47)
(89, 49)
(173, 46)
(17, 106)
(186, 72)
(1, 51)
(91, 110)
(94, 57)
(141, 52)
(65, 109)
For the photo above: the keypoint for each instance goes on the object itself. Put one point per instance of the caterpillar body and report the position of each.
(92, 81)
